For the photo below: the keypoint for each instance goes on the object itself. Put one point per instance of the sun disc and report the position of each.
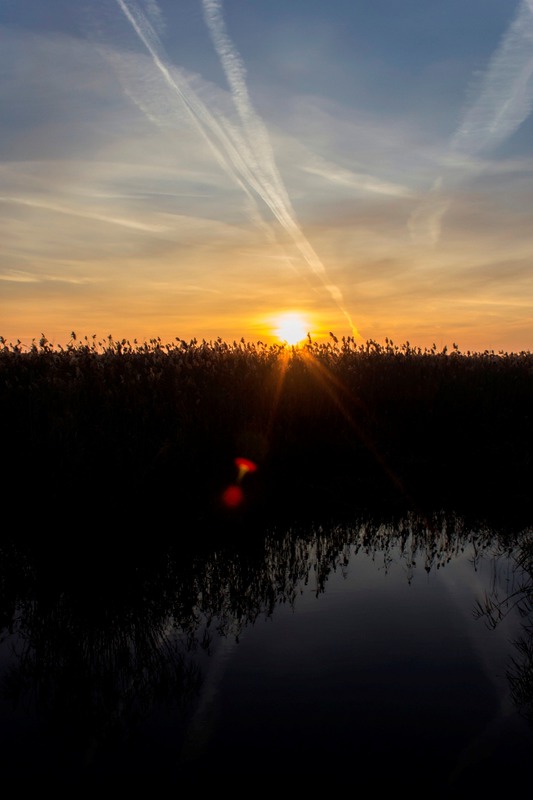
(291, 328)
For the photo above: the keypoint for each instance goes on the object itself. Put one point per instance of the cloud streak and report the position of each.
(19, 276)
(125, 222)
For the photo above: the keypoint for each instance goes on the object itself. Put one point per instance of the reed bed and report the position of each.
(151, 429)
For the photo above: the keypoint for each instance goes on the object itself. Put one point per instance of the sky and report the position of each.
(197, 168)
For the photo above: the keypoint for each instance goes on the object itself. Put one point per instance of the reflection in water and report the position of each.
(516, 596)
(103, 653)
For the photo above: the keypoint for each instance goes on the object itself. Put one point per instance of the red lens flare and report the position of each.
(232, 497)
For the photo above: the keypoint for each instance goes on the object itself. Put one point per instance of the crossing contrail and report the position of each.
(243, 151)
(259, 153)
(221, 145)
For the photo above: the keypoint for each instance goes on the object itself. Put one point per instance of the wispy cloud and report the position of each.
(358, 181)
(20, 276)
(125, 222)
(504, 100)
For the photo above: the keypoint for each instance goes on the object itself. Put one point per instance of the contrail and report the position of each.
(244, 153)
(504, 102)
(259, 154)
(226, 153)
(224, 140)
(506, 96)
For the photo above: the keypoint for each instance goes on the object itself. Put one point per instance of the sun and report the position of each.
(291, 328)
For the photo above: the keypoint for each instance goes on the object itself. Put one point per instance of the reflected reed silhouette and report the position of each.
(101, 646)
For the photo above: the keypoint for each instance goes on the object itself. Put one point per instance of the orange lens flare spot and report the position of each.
(244, 465)
(232, 497)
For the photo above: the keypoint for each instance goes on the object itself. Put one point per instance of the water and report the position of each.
(379, 655)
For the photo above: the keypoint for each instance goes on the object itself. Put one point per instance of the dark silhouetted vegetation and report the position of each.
(152, 430)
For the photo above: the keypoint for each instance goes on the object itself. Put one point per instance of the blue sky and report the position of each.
(197, 168)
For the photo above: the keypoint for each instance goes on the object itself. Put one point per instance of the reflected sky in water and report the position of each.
(385, 660)
(336, 653)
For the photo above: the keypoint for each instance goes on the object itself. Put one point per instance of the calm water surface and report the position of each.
(377, 654)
